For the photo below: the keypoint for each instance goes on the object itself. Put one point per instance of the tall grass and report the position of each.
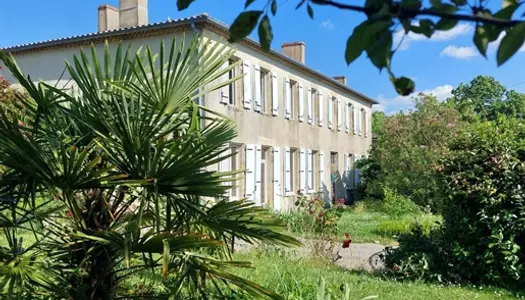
(295, 278)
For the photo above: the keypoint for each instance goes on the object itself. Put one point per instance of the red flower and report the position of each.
(321, 214)
(311, 211)
(69, 214)
(342, 200)
(395, 268)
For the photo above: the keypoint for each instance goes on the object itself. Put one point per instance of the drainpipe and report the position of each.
(200, 100)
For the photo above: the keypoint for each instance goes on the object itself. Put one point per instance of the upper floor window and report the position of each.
(265, 89)
(232, 87)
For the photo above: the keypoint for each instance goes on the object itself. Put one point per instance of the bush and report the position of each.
(396, 204)
(485, 211)
(397, 227)
(483, 236)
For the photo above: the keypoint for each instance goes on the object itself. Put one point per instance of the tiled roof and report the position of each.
(194, 20)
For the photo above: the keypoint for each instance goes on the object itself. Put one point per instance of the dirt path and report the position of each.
(357, 257)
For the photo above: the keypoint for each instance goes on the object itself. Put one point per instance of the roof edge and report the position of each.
(201, 19)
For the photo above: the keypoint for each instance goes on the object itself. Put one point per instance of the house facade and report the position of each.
(298, 130)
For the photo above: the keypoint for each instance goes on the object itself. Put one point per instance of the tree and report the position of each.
(407, 150)
(374, 36)
(486, 98)
(112, 178)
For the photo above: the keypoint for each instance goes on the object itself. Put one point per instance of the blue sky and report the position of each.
(437, 64)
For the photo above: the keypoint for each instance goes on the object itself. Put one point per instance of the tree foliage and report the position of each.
(112, 178)
(486, 98)
(374, 36)
(483, 233)
(407, 150)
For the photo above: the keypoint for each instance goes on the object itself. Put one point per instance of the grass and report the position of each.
(371, 226)
(299, 279)
(366, 222)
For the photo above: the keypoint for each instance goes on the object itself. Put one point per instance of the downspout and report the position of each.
(200, 100)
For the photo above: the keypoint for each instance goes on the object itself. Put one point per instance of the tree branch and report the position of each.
(411, 12)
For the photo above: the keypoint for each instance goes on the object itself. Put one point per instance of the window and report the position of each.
(294, 169)
(236, 164)
(363, 121)
(315, 105)
(265, 91)
(294, 88)
(315, 165)
(231, 74)
(333, 158)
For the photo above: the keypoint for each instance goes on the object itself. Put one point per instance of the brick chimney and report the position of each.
(108, 18)
(340, 79)
(133, 13)
(295, 50)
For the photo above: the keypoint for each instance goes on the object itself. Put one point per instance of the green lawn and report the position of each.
(370, 226)
(299, 280)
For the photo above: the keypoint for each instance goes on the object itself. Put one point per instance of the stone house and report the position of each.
(299, 130)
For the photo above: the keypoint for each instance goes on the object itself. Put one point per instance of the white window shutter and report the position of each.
(288, 99)
(225, 90)
(250, 173)
(301, 102)
(277, 190)
(347, 117)
(275, 95)
(321, 109)
(287, 172)
(347, 178)
(321, 170)
(225, 166)
(339, 116)
(367, 126)
(247, 84)
(354, 118)
(330, 112)
(357, 172)
(257, 93)
(302, 170)
(257, 168)
(359, 121)
(310, 171)
(310, 104)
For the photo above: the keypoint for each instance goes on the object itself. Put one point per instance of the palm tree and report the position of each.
(111, 178)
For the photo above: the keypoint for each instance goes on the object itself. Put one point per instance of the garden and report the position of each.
(105, 193)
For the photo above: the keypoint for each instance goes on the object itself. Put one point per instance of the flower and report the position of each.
(347, 241)
(321, 214)
(69, 214)
(395, 268)
(311, 211)
(341, 200)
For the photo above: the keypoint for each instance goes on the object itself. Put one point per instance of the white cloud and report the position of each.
(460, 52)
(327, 24)
(395, 104)
(438, 36)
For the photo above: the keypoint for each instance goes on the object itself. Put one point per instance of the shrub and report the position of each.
(397, 227)
(396, 204)
(485, 211)
(482, 239)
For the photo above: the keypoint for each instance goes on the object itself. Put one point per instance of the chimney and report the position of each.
(295, 50)
(133, 13)
(340, 79)
(108, 18)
